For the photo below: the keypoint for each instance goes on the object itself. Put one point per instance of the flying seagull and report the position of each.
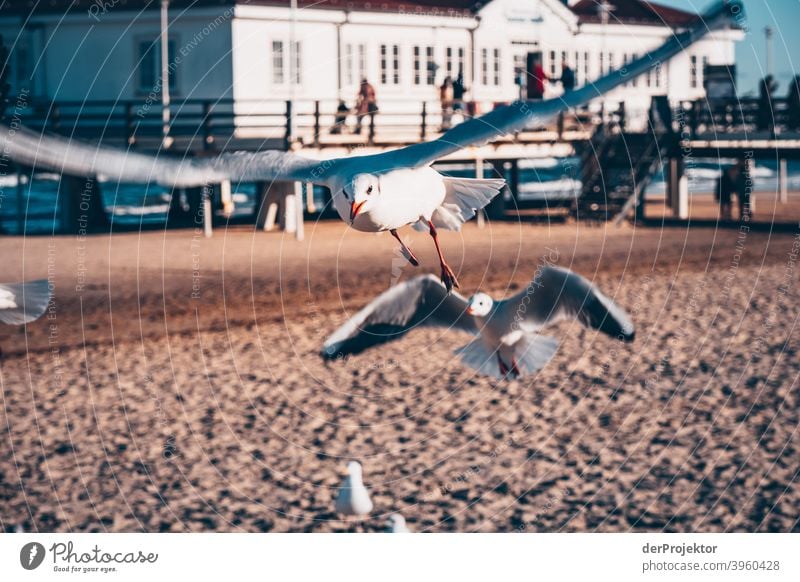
(353, 498)
(507, 343)
(23, 302)
(372, 193)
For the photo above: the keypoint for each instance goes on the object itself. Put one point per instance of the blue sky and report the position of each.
(784, 17)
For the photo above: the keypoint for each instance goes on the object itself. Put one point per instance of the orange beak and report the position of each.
(469, 311)
(355, 207)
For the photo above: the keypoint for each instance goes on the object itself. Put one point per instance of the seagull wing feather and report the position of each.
(557, 294)
(23, 302)
(82, 159)
(422, 301)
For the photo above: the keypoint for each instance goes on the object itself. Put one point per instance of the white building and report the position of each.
(227, 49)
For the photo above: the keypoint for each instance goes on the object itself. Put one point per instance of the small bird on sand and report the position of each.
(396, 524)
(353, 498)
(508, 343)
(372, 193)
(23, 302)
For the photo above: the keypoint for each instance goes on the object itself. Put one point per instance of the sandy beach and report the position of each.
(174, 385)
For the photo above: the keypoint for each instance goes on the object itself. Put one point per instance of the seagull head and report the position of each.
(362, 193)
(480, 305)
(354, 469)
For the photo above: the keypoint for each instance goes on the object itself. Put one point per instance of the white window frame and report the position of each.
(154, 44)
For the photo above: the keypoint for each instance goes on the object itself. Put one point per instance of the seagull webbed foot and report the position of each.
(407, 253)
(449, 278)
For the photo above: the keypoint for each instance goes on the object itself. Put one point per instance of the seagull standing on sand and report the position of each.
(372, 193)
(353, 498)
(508, 343)
(23, 302)
(396, 524)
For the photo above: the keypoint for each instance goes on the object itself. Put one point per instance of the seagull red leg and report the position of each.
(502, 365)
(514, 368)
(405, 250)
(448, 276)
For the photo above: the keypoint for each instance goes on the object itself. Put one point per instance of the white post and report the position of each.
(683, 197)
(479, 175)
(310, 198)
(298, 211)
(783, 178)
(208, 217)
(165, 101)
(226, 198)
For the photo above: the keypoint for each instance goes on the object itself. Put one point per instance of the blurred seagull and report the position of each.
(508, 343)
(396, 524)
(372, 193)
(353, 498)
(23, 302)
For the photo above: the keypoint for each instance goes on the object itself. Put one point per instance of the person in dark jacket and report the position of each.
(567, 77)
(458, 92)
(726, 186)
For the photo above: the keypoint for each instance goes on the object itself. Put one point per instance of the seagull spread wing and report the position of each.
(422, 301)
(525, 114)
(23, 302)
(557, 294)
(81, 159)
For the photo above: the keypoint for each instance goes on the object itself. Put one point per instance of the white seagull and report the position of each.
(23, 302)
(396, 524)
(353, 498)
(508, 342)
(372, 193)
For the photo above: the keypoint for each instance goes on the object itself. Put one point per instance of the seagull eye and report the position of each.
(369, 190)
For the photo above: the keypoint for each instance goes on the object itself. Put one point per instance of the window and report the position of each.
(390, 64)
(485, 66)
(693, 72)
(519, 69)
(657, 73)
(602, 64)
(149, 70)
(497, 67)
(355, 63)
(278, 75)
(552, 63)
(586, 67)
(424, 68)
(281, 64)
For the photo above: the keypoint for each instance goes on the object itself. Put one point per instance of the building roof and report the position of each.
(429, 7)
(624, 11)
(633, 12)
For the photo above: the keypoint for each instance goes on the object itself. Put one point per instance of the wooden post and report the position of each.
(312, 208)
(677, 189)
(208, 212)
(226, 198)
(208, 138)
(783, 180)
(288, 137)
(22, 181)
(423, 128)
(130, 137)
(298, 212)
(317, 127)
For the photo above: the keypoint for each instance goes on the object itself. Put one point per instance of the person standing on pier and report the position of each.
(726, 186)
(536, 80)
(366, 104)
(567, 77)
(446, 96)
(458, 92)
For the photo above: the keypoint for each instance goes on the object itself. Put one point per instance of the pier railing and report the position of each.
(209, 125)
(741, 115)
